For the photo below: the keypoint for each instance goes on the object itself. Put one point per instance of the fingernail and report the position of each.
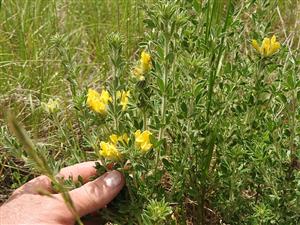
(113, 179)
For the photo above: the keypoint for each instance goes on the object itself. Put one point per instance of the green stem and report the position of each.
(257, 90)
(292, 126)
(163, 104)
(258, 78)
(145, 119)
(164, 95)
(114, 94)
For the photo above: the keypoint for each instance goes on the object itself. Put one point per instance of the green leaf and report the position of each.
(170, 57)
(196, 5)
(168, 165)
(184, 108)
(100, 168)
(149, 23)
(160, 84)
(291, 83)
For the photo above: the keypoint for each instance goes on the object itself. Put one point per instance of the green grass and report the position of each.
(224, 121)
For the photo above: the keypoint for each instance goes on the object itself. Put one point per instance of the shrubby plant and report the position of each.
(202, 120)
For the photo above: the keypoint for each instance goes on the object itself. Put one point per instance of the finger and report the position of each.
(98, 193)
(34, 186)
(43, 183)
(84, 170)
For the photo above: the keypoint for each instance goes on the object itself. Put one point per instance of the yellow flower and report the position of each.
(268, 46)
(255, 45)
(142, 140)
(97, 102)
(145, 61)
(105, 97)
(115, 138)
(109, 151)
(51, 106)
(124, 98)
(144, 66)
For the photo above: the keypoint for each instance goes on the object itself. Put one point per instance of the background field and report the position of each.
(41, 41)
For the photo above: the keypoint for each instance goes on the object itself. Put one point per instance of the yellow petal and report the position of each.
(273, 39)
(137, 133)
(145, 58)
(103, 146)
(118, 94)
(142, 140)
(146, 146)
(98, 102)
(145, 62)
(113, 138)
(99, 107)
(255, 45)
(109, 151)
(105, 96)
(274, 48)
(265, 47)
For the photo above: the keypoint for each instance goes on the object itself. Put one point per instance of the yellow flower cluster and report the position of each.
(98, 102)
(145, 61)
(109, 149)
(142, 140)
(268, 46)
(123, 95)
(144, 66)
(115, 139)
(51, 106)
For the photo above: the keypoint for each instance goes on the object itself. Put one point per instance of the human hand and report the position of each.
(27, 206)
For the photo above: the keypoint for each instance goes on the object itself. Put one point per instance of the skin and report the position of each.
(27, 206)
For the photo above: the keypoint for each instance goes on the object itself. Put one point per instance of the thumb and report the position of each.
(98, 193)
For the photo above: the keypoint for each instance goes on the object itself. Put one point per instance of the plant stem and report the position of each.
(164, 101)
(114, 94)
(257, 81)
(164, 94)
(145, 119)
(164, 97)
(292, 119)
